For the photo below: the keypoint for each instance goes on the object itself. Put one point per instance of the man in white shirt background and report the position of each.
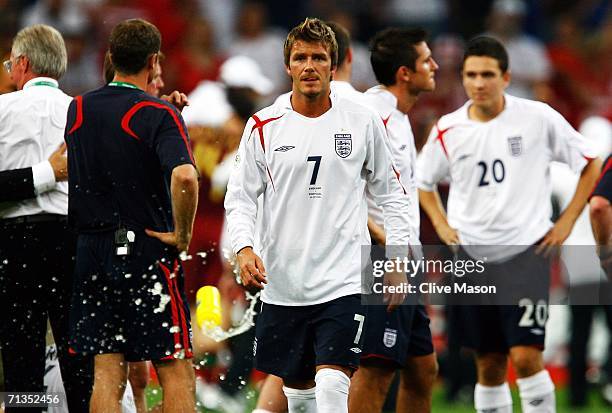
(311, 157)
(36, 247)
(497, 150)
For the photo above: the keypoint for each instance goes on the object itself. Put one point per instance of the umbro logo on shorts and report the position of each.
(284, 148)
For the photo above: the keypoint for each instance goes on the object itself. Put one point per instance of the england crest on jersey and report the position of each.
(515, 145)
(390, 337)
(344, 144)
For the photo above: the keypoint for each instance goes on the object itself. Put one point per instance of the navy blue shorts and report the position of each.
(291, 341)
(134, 305)
(497, 328)
(395, 336)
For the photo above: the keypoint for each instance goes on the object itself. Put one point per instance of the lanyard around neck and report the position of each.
(44, 83)
(124, 84)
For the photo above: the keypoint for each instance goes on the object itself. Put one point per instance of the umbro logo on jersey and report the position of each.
(515, 145)
(537, 331)
(536, 402)
(284, 148)
(344, 144)
(356, 350)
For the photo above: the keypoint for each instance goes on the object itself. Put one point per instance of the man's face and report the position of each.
(423, 77)
(310, 68)
(157, 83)
(484, 81)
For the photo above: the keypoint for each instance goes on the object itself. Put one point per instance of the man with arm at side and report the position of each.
(133, 195)
(37, 246)
(311, 157)
(405, 68)
(271, 398)
(497, 149)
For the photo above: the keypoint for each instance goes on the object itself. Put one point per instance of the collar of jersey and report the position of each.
(341, 85)
(508, 102)
(126, 85)
(47, 81)
(384, 94)
(286, 104)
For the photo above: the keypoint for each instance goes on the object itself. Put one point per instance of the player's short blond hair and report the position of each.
(312, 30)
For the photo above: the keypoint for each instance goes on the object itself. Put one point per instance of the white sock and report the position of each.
(493, 399)
(537, 393)
(300, 401)
(261, 411)
(332, 391)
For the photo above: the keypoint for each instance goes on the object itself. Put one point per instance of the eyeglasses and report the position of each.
(8, 64)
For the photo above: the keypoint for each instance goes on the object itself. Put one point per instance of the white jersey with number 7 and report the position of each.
(312, 173)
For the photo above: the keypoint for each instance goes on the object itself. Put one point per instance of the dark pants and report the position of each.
(582, 319)
(36, 267)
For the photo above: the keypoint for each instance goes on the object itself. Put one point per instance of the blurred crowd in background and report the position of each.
(560, 53)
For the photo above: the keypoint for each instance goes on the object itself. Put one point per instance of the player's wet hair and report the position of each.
(343, 39)
(312, 30)
(393, 48)
(131, 43)
(489, 47)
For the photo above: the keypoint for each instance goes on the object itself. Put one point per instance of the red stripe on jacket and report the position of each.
(125, 122)
(79, 114)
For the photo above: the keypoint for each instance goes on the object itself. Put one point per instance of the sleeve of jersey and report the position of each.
(432, 163)
(567, 144)
(246, 183)
(172, 142)
(384, 185)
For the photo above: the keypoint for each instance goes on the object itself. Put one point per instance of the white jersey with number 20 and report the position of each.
(499, 170)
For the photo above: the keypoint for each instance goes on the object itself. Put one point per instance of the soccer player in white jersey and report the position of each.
(497, 149)
(271, 398)
(311, 158)
(404, 67)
